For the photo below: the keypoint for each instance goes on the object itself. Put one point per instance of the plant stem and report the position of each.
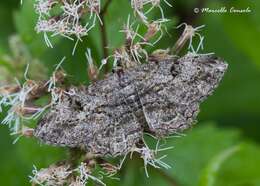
(104, 41)
(103, 33)
(168, 178)
(104, 10)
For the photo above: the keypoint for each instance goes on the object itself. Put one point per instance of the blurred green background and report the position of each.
(223, 149)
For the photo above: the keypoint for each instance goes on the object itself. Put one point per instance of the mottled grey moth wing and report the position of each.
(172, 96)
(110, 116)
(95, 118)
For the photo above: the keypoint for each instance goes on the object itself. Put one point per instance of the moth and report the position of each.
(110, 116)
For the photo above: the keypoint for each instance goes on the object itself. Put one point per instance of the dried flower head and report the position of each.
(143, 7)
(67, 21)
(84, 175)
(188, 34)
(53, 175)
(149, 156)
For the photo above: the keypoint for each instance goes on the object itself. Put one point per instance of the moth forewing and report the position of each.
(110, 116)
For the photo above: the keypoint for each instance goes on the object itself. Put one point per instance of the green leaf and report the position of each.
(238, 165)
(241, 169)
(17, 160)
(209, 177)
(193, 152)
